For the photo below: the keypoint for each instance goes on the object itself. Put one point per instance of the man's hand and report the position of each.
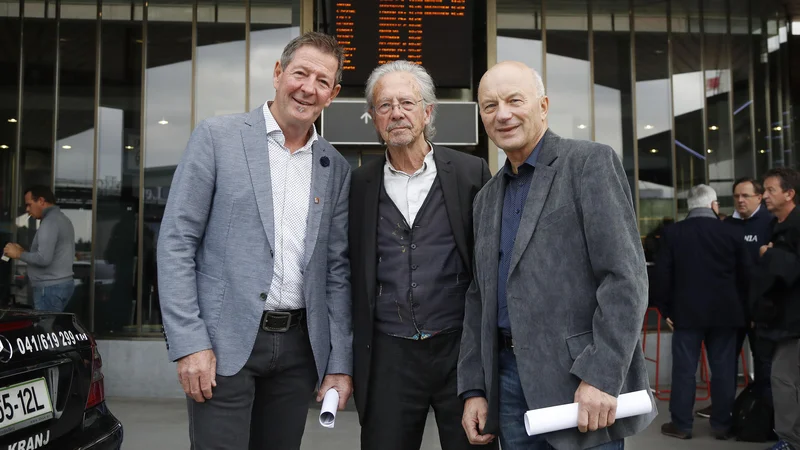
(474, 419)
(596, 409)
(343, 385)
(13, 251)
(764, 249)
(197, 373)
(671, 325)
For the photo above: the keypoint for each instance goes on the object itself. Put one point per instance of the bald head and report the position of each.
(517, 70)
(513, 108)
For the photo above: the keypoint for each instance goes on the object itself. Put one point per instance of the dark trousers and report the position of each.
(265, 405)
(407, 377)
(721, 351)
(786, 387)
(762, 362)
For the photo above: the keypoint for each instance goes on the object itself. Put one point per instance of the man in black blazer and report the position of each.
(702, 273)
(411, 261)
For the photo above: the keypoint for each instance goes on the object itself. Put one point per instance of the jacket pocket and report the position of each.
(554, 217)
(210, 296)
(577, 343)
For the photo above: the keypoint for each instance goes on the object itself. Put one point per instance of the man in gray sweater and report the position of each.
(51, 254)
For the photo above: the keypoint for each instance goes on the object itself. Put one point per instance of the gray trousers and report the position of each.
(786, 391)
(265, 405)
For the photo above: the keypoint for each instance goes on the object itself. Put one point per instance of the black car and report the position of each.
(51, 385)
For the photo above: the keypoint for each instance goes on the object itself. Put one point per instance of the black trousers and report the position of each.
(762, 362)
(265, 405)
(407, 378)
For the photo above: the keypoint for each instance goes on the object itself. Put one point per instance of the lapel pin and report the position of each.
(316, 200)
(324, 161)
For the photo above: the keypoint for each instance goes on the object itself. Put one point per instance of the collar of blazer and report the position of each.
(537, 195)
(255, 144)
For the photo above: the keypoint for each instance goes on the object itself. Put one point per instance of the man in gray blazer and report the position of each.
(252, 260)
(555, 308)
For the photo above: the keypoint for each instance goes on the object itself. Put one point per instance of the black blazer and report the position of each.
(703, 271)
(461, 176)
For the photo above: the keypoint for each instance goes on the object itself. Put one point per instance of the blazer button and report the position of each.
(413, 285)
(413, 246)
(367, 346)
(263, 296)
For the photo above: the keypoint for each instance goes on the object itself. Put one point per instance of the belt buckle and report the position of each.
(286, 316)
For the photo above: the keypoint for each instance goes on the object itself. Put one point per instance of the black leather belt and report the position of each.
(281, 321)
(506, 341)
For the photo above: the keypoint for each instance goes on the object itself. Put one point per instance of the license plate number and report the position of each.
(24, 404)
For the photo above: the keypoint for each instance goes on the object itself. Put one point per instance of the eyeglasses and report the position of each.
(386, 107)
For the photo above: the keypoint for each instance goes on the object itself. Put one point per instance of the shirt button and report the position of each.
(517, 211)
(414, 267)
(413, 246)
(413, 285)
(263, 296)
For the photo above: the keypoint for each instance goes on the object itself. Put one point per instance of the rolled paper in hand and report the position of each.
(555, 418)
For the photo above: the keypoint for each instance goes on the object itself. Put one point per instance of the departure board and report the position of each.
(434, 33)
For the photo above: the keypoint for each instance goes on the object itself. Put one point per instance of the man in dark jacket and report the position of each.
(755, 222)
(776, 294)
(702, 272)
(411, 241)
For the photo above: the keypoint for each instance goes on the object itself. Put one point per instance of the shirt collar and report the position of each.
(274, 130)
(530, 162)
(736, 214)
(425, 162)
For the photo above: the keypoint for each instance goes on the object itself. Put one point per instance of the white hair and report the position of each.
(537, 81)
(701, 196)
(427, 89)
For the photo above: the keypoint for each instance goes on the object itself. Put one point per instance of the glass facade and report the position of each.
(98, 99)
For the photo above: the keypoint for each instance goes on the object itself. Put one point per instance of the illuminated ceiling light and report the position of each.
(581, 126)
(762, 151)
(12, 120)
(713, 128)
(709, 150)
(4, 146)
(777, 129)
(648, 127)
(128, 147)
(66, 147)
(163, 122)
(653, 150)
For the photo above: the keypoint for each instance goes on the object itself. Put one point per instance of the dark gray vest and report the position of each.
(421, 277)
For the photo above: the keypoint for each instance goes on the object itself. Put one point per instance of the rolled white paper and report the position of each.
(4, 258)
(554, 418)
(330, 403)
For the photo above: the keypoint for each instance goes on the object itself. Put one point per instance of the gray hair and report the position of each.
(537, 81)
(427, 88)
(701, 196)
(322, 42)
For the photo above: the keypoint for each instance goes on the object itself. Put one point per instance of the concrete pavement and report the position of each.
(163, 425)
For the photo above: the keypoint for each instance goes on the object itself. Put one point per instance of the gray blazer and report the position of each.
(577, 288)
(215, 254)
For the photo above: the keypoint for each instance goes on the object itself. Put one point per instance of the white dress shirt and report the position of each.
(408, 192)
(291, 190)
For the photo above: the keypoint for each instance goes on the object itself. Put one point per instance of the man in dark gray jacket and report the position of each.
(51, 254)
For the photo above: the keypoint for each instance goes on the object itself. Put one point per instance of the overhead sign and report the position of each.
(346, 122)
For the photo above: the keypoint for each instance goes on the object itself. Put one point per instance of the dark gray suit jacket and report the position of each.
(577, 288)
